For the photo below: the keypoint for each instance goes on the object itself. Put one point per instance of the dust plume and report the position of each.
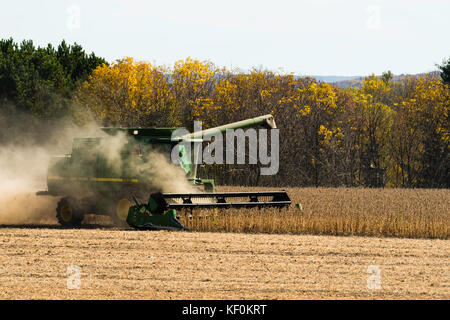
(24, 163)
(165, 176)
(23, 171)
(154, 164)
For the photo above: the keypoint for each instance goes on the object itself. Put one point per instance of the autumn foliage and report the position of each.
(383, 134)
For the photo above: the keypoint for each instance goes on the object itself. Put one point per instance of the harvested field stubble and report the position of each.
(125, 264)
(418, 213)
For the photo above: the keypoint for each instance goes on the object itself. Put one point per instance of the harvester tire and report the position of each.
(119, 211)
(69, 213)
(121, 203)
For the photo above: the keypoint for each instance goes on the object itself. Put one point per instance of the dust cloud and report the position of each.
(24, 163)
(165, 176)
(23, 172)
(155, 165)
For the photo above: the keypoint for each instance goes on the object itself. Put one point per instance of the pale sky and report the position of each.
(320, 37)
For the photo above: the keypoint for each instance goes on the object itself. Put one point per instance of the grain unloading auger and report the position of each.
(160, 211)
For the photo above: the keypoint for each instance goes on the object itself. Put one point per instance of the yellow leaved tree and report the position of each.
(192, 83)
(421, 134)
(129, 93)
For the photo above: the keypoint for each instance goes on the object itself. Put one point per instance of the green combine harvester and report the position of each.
(89, 182)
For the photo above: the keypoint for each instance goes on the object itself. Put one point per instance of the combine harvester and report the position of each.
(90, 184)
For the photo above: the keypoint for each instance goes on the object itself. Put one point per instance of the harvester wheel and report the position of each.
(69, 213)
(120, 212)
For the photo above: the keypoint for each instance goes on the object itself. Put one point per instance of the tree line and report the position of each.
(386, 133)
(37, 85)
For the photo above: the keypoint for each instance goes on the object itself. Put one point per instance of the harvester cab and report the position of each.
(104, 175)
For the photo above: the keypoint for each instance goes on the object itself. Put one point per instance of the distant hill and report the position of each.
(356, 81)
(332, 79)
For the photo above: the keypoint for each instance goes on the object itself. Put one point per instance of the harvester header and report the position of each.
(160, 211)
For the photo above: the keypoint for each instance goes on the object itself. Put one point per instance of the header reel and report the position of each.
(160, 212)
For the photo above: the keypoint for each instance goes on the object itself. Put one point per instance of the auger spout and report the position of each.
(266, 121)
